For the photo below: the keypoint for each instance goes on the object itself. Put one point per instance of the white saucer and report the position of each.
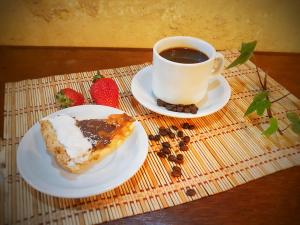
(40, 170)
(216, 98)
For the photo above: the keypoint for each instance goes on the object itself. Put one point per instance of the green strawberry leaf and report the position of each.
(97, 77)
(63, 100)
(295, 121)
(273, 127)
(259, 104)
(245, 53)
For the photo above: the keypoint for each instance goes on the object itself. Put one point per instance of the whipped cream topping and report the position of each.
(71, 137)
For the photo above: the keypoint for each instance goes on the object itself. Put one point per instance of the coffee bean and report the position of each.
(186, 110)
(176, 168)
(185, 125)
(184, 148)
(174, 127)
(179, 161)
(180, 109)
(171, 135)
(161, 154)
(161, 128)
(166, 151)
(176, 173)
(151, 137)
(172, 158)
(179, 157)
(186, 139)
(194, 109)
(160, 102)
(190, 192)
(166, 144)
(169, 107)
(157, 137)
(163, 131)
(174, 108)
(191, 127)
(180, 133)
(181, 143)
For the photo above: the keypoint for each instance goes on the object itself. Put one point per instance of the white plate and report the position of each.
(216, 98)
(39, 169)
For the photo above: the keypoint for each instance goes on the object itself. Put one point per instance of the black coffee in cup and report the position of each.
(184, 55)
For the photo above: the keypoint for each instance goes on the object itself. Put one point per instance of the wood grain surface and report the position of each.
(274, 199)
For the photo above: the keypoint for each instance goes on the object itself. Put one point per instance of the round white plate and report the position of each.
(40, 170)
(216, 98)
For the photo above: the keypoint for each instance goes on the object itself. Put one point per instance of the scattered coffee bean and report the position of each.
(176, 168)
(157, 137)
(171, 135)
(185, 125)
(176, 173)
(161, 128)
(179, 161)
(186, 139)
(179, 157)
(191, 127)
(166, 144)
(151, 137)
(161, 154)
(184, 148)
(166, 151)
(174, 127)
(172, 158)
(180, 133)
(163, 131)
(190, 192)
(181, 143)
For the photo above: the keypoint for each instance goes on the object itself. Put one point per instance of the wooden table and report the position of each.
(274, 199)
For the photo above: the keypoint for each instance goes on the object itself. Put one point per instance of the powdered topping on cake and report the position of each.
(70, 136)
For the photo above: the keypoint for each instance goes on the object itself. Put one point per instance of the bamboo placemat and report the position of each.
(226, 149)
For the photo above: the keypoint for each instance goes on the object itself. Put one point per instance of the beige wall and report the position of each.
(132, 23)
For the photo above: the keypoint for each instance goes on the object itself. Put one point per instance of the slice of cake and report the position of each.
(78, 144)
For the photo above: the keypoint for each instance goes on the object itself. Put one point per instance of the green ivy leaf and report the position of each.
(273, 127)
(295, 121)
(245, 53)
(259, 104)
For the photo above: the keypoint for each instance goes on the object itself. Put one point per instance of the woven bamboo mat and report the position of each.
(226, 150)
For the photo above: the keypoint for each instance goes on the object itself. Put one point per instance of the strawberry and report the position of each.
(68, 97)
(104, 91)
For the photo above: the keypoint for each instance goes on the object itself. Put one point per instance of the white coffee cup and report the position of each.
(179, 83)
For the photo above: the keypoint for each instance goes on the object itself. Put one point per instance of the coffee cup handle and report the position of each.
(220, 64)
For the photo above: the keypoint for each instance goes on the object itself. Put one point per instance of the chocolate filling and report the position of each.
(98, 132)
